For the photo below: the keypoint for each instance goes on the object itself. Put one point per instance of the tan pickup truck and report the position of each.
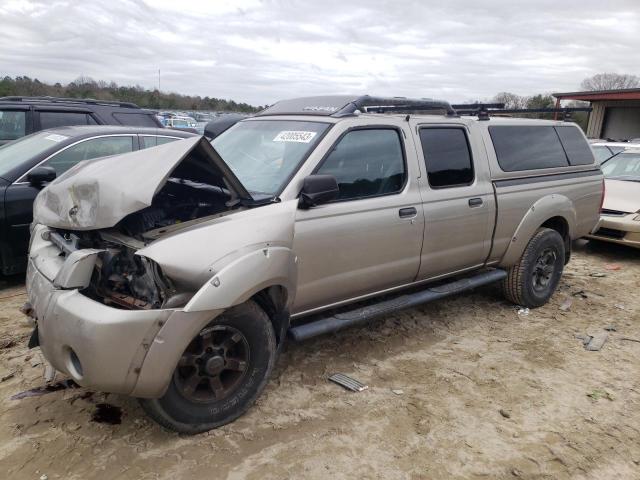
(174, 274)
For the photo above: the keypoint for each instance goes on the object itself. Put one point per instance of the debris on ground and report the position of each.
(397, 391)
(348, 382)
(585, 339)
(107, 413)
(505, 413)
(598, 394)
(612, 266)
(619, 306)
(7, 343)
(598, 275)
(596, 342)
(7, 376)
(38, 391)
(566, 305)
(581, 294)
(523, 311)
(630, 339)
(611, 328)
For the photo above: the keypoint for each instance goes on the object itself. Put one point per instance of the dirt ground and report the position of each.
(464, 388)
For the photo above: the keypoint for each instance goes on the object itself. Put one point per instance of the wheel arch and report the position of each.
(274, 300)
(552, 211)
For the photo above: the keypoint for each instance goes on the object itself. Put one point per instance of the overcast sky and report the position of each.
(261, 51)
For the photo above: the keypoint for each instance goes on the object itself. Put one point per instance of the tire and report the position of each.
(533, 280)
(242, 353)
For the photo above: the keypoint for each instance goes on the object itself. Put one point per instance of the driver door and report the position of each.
(370, 238)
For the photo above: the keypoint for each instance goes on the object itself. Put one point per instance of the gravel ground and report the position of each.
(462, 388)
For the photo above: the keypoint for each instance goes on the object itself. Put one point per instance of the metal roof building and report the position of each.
(615, 115)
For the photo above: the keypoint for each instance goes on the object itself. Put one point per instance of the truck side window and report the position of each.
(447, 156)
(367, 163)
(527, 147)
(575, 146)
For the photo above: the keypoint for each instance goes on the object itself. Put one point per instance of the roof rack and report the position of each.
(91, 101)
(484, 110)
(395, 105)
(345, 105)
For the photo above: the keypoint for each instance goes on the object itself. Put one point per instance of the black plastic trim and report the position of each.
(552, 177)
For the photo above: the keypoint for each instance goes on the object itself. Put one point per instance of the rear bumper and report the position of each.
(623, 230)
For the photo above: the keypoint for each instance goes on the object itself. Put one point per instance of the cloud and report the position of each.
(262, 51)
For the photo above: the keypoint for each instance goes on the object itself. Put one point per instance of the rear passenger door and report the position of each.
(370, 238)
(458, 200)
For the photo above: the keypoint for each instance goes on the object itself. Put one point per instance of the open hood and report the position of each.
(97, 194)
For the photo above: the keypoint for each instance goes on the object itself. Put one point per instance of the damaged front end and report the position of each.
(122, 279)
(116, 216)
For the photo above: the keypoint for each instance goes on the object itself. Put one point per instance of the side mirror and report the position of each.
(318, 189)
(40, 175)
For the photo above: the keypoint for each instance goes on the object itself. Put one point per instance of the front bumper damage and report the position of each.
(102, 347)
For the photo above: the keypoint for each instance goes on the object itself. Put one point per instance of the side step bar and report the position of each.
(361, 315)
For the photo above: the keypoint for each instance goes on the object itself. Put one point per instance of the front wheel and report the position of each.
(220, 374)
(532, 280)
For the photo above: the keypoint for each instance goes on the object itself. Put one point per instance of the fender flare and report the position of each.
(240, 279)
(547, 207)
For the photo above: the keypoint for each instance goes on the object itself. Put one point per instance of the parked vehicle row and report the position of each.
(20, 116)
(186, 266)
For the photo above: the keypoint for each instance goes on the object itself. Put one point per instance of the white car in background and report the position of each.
(604, 150)
(620, 214)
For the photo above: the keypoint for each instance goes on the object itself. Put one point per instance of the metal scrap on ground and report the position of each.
(348, 382)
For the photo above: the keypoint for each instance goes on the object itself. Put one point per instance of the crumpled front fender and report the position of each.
(245, 276)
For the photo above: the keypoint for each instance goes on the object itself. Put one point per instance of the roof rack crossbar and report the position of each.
(91, 101)
(483, 111)
(370, 104)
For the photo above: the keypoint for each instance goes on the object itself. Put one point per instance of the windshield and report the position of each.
(624, 166)
(17, 152)
(263, 154)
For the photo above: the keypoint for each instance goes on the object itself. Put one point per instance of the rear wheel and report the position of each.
(220, 374)
(533, 280)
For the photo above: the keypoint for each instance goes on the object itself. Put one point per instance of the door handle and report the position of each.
(407, 212)
(475, 202)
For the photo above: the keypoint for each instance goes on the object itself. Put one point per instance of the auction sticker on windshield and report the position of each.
(294, 136)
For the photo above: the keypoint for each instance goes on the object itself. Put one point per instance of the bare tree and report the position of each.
(610, 81)
(511, 100)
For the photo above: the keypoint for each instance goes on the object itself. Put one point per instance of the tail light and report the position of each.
(604, 188)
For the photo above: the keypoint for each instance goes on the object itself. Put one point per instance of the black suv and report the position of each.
(20, 116)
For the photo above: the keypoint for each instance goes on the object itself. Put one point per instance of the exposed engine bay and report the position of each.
(126, 280)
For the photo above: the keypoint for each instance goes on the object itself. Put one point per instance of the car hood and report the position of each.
(622, 195)
(99, 193)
